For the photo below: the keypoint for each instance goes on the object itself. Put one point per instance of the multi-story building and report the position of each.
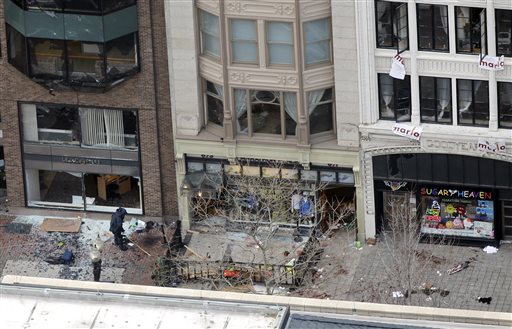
(255, 82)
(454, 109)
(85, 109)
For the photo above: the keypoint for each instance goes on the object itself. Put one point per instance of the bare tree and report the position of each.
(267, 207)
(408, 265)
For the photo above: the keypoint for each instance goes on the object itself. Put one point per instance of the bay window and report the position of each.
(214, 103)
(470, 26)
(265, 112)
(280, 43)
(394, 98)
(473, 102)
(436, 100)
(320, 110)
(244, 43)
(317, 41)
(209, 34)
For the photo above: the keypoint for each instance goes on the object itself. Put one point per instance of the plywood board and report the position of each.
(61, 225)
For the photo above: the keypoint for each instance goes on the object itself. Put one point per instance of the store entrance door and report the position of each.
(506, 215)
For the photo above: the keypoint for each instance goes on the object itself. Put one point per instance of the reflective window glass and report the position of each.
(16, 49)
(122, 57)
(320, 109)
(317, 39)
(85, 62)
(46, 58)
(214, 103)
(280, 43)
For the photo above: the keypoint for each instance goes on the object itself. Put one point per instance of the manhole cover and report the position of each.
(18, 228)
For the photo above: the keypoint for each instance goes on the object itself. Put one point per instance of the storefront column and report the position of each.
(361, 230)
(32, 184)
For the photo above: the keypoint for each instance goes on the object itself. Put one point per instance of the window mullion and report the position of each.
(249, 110)
(473, 100)
(283, 118)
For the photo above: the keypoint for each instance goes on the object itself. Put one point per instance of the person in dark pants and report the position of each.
(116, 227)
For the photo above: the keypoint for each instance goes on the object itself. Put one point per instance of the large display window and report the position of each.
(456, 212)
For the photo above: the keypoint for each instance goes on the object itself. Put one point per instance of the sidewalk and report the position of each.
(356, 275)
(344, 272)
(24, 246)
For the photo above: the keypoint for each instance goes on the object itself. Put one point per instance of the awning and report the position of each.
(201, 181)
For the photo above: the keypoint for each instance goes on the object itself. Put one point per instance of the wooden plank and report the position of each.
(65, 225)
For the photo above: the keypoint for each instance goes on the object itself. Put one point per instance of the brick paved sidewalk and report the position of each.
(351, 274)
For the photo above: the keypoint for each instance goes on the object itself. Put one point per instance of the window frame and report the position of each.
(332, 101)
(395, 91)
(433, 16)
(392, 6)
(436, 97)
(509, 12)
(255, 42)
(282, 113)
(500, 113)
(268, 45)
(329, 61)
(472, 105)
(206, 94)
(201, 38)
(483, 42)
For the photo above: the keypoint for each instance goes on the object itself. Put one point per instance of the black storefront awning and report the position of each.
(201, 181)
(443, 169)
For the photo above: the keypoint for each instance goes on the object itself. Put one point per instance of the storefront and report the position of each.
(81, 158)
(205, 176)
(453, 196)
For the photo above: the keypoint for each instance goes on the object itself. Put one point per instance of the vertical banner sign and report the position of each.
(397, 67)
(407, 131)
(491, 63)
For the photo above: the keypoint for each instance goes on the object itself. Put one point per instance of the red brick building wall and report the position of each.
(148, 92)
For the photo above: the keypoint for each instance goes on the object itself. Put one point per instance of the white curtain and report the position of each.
(443, 13)
(93, 127)
(314, 98)
(386, 92)
(465, 95)
(290, 105)
(102, 127)
(219, 90)
(240, 105)
(114, 127)
(444, 95)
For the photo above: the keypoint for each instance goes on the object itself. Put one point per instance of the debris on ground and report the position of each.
(490, 250)
(397, 294)
(484, 300)
(458, 267)
(371, 241)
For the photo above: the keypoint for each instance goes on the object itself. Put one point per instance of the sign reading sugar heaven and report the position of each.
(407, 131)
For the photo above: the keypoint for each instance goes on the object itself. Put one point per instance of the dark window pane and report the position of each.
(130, 129)
(504, 32)
(83, 6)
(85, 62)
(435, 100)
(386, 97)
(391, 25)
(320, 107)
(16, 49)
(425, 27)
(215, 104)
(505, 104)
(465, 101)
(290, 113)
(403, 99)
(44, 4)
(266, 112)
(481, 108)
(470, 30)
(113, 5)
(122, 57)
(46, 59)
(441, 28)
(55, 124)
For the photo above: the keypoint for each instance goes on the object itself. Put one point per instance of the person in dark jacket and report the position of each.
(116, 227)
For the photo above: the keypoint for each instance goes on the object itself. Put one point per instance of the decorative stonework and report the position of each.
(287, 10)
(323, 76)
(212, 6)
(235, 6)
(264, 79)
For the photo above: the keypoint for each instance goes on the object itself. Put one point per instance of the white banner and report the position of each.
(397, 67)
(491, 63)
(407, 131)
(487, 146)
